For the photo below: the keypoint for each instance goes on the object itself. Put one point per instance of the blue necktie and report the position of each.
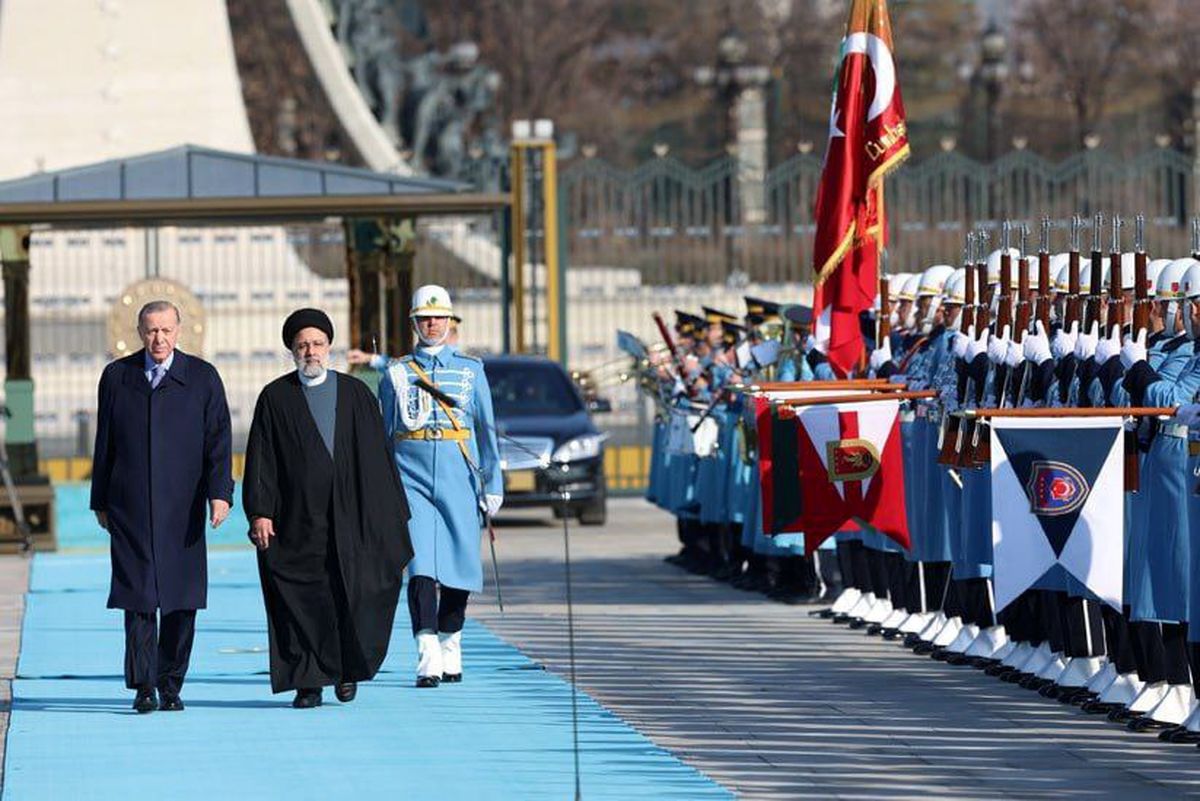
(157, 377)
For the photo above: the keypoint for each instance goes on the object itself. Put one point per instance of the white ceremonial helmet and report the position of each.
(1127, 281)
(1060, 269)
(933, 280)
(1169, 284)
(1031, 269)
(993, 265)
(896, 284)
(1189, 284)
(431, 300)
(1153, 269)
(955, 290)
(909, 291)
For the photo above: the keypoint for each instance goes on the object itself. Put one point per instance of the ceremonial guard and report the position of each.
(448, 457)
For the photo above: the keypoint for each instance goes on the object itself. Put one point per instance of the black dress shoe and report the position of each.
(145, 701)
(428, 681)
(825, 613)
(999, 669)
(307, 699)
(171, 702)
(874, 630)
(1179, 735)
(452, 678)
(1123, 715)
(1099, 707)
(345, 691)
(1147, 724)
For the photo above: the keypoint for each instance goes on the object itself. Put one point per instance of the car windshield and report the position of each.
(526, 389)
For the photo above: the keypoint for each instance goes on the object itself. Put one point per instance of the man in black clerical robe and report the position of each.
(329, 516)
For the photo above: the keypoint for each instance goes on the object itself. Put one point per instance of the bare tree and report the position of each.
(1085, 51)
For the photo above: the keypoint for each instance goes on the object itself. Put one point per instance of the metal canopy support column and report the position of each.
(519, 247)
(379, 262)
(525, 189)
(18, 383)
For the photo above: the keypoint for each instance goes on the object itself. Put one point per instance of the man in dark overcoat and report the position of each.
(163, 450)
(329, 516)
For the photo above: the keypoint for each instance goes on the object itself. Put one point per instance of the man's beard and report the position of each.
(308, 369)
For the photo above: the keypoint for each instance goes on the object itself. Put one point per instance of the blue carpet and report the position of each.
(505, 732)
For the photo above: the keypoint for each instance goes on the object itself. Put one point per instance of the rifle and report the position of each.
(1043, 308)
(1094, 291)
(952, 435)
(885, 312)
(1073, 312)
(1024, 315)
(970, 428)
(1141, 284)
(688, 386)
(1116, 295)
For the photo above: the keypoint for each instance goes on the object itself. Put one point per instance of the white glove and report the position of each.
(881, 356)
(492, 504)
(1134, 350)
(977, 345)
(1064, 341)
(1109, 346)
(998, 347)
(1015, 354)
(1085, 344)
(1035, 346)
(959, 346)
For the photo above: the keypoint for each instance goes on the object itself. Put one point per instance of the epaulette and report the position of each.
(405, 359)
(468, 357)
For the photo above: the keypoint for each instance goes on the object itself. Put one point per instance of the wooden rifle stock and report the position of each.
(970, 436)
(1073, 312)
(885, 313)
(1096, 290)
(1043, 310)
(951, 439)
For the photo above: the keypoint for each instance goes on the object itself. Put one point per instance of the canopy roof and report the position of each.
(197, 184)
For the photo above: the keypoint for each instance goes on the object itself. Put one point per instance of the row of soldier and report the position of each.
(1116, 329)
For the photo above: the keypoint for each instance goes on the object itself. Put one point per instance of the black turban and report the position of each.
(306, 318)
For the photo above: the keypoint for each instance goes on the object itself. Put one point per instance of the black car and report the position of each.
(548, 442)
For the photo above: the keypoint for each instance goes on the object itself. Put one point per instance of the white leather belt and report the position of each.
(1173, 430)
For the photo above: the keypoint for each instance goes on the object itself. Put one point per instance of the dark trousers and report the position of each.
(157, 653)
(429, 613)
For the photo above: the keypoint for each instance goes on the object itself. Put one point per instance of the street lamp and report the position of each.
(993, 72)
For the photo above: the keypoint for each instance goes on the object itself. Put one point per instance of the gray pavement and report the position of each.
(14, 580)
(774, 704)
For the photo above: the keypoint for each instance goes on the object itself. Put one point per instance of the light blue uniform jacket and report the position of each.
(444, 492)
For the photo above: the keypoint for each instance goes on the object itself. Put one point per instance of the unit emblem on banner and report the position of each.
(1055, 488)
(851, 459)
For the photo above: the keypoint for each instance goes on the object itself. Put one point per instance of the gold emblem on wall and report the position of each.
(123, 337)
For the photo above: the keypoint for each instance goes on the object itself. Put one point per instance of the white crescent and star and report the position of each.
(880, 56)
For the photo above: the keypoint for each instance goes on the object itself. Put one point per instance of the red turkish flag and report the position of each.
(868, 138)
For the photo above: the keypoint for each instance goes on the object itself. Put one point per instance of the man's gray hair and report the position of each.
(158, 306)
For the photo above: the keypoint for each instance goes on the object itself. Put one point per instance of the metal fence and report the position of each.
(666, 235)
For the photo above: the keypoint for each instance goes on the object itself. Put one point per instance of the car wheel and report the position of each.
(595, 513)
